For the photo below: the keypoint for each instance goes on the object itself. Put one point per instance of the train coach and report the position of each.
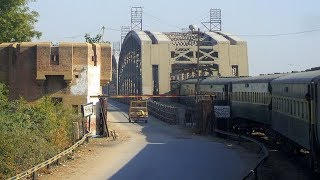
(296, 110)
(187, 87)
(288, 105)
(251, 98)
(221, 87)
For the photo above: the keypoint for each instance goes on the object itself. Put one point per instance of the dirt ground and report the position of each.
(86, 155)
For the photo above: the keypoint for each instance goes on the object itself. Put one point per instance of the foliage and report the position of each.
(96, 39)
(32, 133)
(17, 21)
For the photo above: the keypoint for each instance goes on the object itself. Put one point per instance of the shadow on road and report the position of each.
(171, 153)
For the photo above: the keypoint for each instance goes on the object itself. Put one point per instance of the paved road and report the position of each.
(160, 151)
(156, 150)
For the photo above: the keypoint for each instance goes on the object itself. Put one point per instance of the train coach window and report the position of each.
(306, 111)
(294, 107)
(302, 110)
(286, 89)
(298, 109)
(279, 104)
(291, 102)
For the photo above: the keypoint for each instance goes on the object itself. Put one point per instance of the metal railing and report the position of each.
(32, 171)
(163, 112)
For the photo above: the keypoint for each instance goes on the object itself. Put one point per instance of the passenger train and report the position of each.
(286, 104)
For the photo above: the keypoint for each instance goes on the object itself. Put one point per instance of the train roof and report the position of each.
(219, 80)
(259, 79)
(299, 78)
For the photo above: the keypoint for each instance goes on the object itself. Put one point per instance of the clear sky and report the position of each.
(69, 20)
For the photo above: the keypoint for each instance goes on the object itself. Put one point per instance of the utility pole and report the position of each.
(103, 28)
(198, 59)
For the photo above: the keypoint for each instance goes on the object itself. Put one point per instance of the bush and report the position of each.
(31, 133)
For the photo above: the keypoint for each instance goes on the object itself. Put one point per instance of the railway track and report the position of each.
(282, 164)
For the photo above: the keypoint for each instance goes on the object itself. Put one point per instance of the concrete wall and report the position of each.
(239, 56)
(147, 86)
(160, 55)
(156, 49)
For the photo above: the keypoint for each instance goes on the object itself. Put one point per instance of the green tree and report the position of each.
(17, 21)
(96, 39)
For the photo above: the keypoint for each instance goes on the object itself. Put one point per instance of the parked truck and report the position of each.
(138, 111)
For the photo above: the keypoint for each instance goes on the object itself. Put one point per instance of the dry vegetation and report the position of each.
(31, 133)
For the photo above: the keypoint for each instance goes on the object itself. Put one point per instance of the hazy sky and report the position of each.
(69, 20)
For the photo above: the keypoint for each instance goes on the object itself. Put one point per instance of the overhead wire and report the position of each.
(98, 30)
(279, 34)
(80, 35)
(160, 20)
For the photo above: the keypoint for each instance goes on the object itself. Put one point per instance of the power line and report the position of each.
(98, 30)
(112, 29)
(203, 16)
(161, 21)
(279, 34)
(81, 35)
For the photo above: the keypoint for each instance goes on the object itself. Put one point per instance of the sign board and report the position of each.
(87, 109)
(222, 111)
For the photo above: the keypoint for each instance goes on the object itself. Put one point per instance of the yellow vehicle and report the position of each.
(138, 111)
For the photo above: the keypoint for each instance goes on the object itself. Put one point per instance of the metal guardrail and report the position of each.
(49, 161)
(163, 112)
(253, 172)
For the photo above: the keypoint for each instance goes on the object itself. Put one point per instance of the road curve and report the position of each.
(156, 150)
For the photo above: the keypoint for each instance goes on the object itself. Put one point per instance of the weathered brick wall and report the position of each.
(27, 70)
(22, 73)
(64, 66)
(4, 56)
(106, 64)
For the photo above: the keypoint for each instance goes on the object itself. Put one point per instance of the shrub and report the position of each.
(31, 133)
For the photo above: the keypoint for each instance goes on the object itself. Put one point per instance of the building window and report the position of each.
(215, 54)
(286, 89)
(76, 76)
(54, 60)
(235, 71)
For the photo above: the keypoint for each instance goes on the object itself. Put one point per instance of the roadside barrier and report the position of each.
(163, 112)
(262, 150)
(32, 171)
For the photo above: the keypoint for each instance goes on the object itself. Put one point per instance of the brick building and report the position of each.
(70, 72)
